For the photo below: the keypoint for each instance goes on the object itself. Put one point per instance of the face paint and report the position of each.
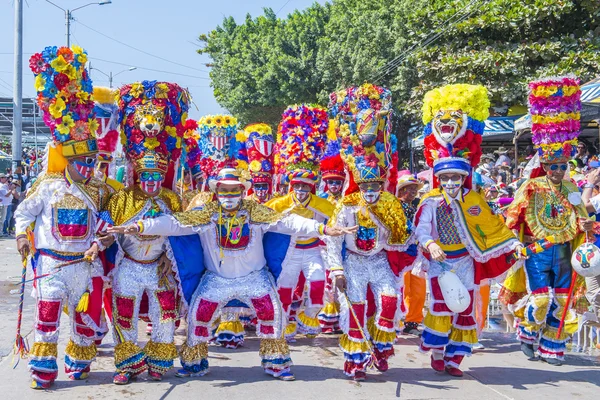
(451, 184)
(334, 186)
(230, 199)
(301, 191)
(151, 182)
(370, 192)
(261, 191)
(85, 166)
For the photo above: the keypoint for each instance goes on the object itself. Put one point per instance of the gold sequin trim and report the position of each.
(125, 350)
(161, 351)
(388, 211)
(42, 349)
(80, 353)
(195, 353)
(273, 347)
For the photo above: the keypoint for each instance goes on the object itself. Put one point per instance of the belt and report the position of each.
(60, 255)
(127, 256)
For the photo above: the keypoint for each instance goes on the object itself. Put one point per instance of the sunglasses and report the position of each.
(334, 182)
(555, 167)
(150, 176)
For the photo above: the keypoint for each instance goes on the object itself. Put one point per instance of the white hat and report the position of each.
(229, 176)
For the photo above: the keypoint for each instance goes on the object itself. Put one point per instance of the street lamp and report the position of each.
(69, 15)
(110, 75)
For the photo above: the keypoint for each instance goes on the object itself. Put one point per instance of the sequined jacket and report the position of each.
(240, 251)
(66, 216)
(381, 227)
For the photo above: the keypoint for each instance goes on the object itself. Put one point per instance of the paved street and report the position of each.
(498, 372)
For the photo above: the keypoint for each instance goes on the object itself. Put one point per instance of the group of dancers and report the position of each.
(218, 226)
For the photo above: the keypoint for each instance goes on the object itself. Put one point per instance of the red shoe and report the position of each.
(381, 365)
(360, 376)
(438, 365)
(121, 378)
(454, 372)
(155, 376)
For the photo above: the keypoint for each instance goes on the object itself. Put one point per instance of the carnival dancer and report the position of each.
(333, 173)
(106, 112)
(153, 129)
(221, 144)
(232, 230)
(64, 204)
(260, 148)
(193, 179)
(456, 230)
(300, 145)
(548, 208)
(414, 289)
(107, 137)
(372, 256)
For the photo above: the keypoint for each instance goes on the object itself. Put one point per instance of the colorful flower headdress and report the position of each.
(106, 112)
(152, 116)
(192, 150)
(260, 146)
(454, 118)
(555, 108)
(301, 139)
(221, 145)
(65, 97)
(363, 123)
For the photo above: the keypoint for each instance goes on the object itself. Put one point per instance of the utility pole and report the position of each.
(68, 24)
(18, 86)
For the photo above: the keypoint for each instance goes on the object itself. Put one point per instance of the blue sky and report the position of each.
(166, 29)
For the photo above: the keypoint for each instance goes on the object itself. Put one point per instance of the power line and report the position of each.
(395, 63)
(141, 51)
(150, 69)
(282, 7)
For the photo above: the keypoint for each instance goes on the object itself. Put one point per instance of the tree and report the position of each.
(267, 63)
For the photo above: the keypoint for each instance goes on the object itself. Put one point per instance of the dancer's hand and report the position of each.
(436, 252)
(519, 252)
(586, 224)
(105, 238)
(340, 230)
(126, 229)
(92, 253)
(23, 246)
(340, 282)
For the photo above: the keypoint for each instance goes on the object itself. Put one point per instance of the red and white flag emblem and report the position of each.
(264, 146)
(218, 141)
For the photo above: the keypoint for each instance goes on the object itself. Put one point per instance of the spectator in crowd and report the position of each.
(14, 202)
(503, 157)
(5, 198)
(582, 152)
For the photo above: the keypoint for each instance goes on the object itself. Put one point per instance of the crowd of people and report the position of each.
(311, 231)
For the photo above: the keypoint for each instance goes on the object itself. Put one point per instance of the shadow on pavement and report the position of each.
(520, 378)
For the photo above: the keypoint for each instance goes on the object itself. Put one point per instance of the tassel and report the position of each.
(84, 302)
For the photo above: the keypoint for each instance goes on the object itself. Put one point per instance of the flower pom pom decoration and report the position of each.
(454, 118)
(64, 94)
(152, 116)
(301, 138)
(555, 108)
(221, 144)
(260, 146)
(192, 150)
(362, 118)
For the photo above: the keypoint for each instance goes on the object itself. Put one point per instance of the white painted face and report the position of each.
(302, 191)
(451, 183)
(229, 196)
(370, 191)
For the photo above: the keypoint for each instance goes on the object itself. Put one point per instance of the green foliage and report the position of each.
(267, 63)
